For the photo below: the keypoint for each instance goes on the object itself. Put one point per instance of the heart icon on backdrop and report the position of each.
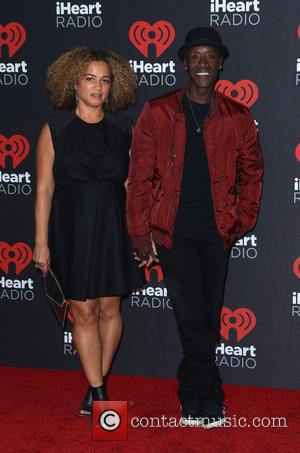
(19, 253)
(13, 35)
(296, 267)
(161, 35)
(243, 320)
(245, 91)
(16, 147)
(297, 152)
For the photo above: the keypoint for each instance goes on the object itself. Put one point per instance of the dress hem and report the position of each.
(122, 294)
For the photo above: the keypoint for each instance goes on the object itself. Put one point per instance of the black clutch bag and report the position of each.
(55, 297)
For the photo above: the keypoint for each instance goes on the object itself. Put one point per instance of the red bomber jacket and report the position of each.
(156, 165)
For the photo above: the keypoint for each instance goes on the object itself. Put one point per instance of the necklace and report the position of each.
(199, 126)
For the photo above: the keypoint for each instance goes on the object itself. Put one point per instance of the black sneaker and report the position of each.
(191, 414)
(209, 415)
(213, 415)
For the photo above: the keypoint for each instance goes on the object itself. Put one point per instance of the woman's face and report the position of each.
(93, 87)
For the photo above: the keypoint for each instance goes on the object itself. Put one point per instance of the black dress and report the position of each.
(90, 249)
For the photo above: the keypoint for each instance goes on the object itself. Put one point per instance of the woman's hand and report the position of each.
(41, 257)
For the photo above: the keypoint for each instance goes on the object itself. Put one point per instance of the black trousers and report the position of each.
(195, 270)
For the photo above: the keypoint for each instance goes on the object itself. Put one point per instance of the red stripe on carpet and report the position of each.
(39, 407)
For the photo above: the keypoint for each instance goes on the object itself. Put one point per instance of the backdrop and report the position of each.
(261, 317)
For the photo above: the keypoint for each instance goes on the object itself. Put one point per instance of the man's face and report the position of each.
(203, 65)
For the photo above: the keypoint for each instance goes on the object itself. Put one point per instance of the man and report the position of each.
(194, 189)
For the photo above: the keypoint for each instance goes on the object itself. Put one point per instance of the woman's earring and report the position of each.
(221, 67)
(76, 96)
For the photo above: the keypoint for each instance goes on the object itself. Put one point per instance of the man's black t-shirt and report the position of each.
(195, 203)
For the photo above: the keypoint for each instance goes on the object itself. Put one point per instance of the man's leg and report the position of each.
(196, 310)
(214, 265)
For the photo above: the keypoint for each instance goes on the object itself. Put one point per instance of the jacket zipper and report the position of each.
(173, 148)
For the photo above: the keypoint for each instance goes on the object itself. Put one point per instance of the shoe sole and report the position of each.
(85, 414)
(199, 422)
(216, 424)
(190, 421)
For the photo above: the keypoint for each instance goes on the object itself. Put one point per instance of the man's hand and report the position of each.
(146, 255)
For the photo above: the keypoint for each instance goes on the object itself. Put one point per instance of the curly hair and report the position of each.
(64, 73)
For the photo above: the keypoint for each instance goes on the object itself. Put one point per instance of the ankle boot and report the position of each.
(87, 403)
(99, 393)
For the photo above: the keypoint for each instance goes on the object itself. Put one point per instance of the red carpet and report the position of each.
(39, 407)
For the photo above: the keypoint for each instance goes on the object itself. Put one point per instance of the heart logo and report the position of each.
(19, 253)
(13, 35)
(296, 267)
(297, 152)
(245, 91)
(161, 34)
(243, 320)
(16, 147)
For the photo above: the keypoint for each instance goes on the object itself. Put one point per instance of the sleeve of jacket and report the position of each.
(141, 171)
(250, 170)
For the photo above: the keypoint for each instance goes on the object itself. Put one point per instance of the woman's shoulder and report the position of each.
(59, 120)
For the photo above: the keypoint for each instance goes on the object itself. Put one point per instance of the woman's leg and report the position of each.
(110, 326)
(87, 339)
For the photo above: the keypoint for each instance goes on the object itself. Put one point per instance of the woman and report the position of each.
(82, 164)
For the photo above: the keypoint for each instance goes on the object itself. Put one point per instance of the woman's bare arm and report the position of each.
(44, 193)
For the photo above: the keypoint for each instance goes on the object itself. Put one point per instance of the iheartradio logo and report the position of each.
(16, 148)
(13, 35)
(161, 35)
(19, 253)
(243, 320)
(245, 91)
